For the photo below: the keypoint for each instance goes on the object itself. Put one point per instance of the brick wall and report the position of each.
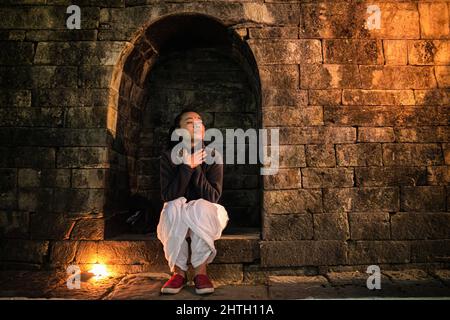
(363, 117)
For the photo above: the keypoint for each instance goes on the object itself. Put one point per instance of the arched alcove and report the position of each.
(183, 60)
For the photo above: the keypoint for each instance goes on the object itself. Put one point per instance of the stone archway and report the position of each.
(220, 80)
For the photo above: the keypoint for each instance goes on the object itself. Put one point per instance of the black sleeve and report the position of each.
(174, 179)
(209, 185)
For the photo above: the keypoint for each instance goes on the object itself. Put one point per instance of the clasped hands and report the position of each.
(195, 159)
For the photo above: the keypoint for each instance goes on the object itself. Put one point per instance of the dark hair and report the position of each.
(176, 124)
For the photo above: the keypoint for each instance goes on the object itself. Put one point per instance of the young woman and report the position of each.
(190, 192)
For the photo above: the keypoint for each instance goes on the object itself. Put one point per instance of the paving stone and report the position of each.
(90, 289)
(299, 287)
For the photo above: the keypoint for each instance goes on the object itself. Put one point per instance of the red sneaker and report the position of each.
(202, 284)
(174, 284)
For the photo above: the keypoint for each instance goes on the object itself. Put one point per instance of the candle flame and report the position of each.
(99, 271)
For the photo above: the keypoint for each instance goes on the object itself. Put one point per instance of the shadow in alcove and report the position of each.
(181, 61)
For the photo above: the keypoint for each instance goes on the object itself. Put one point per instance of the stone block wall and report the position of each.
(363, 117)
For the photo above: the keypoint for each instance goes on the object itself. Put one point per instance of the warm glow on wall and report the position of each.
(99, 271)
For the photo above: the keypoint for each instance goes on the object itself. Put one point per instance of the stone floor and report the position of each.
(344, 285)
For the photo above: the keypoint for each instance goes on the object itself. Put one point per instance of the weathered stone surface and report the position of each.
(423, 134)
(342, 51)
(409, 225)
(417, 283)
(14, 224)
(286, 51)
(237, 248)
(423, 198)
(139, 286)
(273, 32)
(348, 20)
(76, 53)
(428, 52)
(324, 97)
(8, 200)
(62, 252)
(50, 226)
(284, 97)
(48, 137)
(86, 253)
(397, 77)
(303, 252)
(78, 201)
(16, 53)
(432, 97)
(46, 178)
(31, 251)
(376, 134)
(61, 35)
(229, 12)
(438, 175)
(34, 157)
(88, 229)
(361, 154)
(282, 76)
(331, 226)
(292, 156)
(15, 98)
(324, 76)
(317, 135)
(327, 177)
(375, 252)
(355, 278)
(283, 179)
(377, 97)
(361, 199)
(71, 97)
(95, 77)
(395, 52)
(82, 157)
(442, 76)
(35, 199)
(320, 155)
(434, 20)
(85, 117)
(299, 287)
(293, 116)
(44, 17)
(385, 115)
(430, 250)
(446, 149)
(390, 176)
(414, 154)
(130, 252)
(288, 227)
(24, 77)
(443, 275)
(8, 179)
(28, 117)
(293, 201)
(89, 178)
(369, 225)
(90, 289)
(22, 284)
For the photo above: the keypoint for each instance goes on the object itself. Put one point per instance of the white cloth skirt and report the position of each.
(201, 220)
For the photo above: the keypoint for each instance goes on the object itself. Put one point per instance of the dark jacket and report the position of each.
(204, 181)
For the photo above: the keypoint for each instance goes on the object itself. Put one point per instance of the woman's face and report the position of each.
(191, 119)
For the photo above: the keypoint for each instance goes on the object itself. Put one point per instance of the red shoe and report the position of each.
(174, 284)
(202, 284)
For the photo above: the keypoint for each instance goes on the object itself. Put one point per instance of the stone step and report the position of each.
(144, 253)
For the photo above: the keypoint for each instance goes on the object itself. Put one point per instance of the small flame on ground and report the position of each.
(99, 271)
